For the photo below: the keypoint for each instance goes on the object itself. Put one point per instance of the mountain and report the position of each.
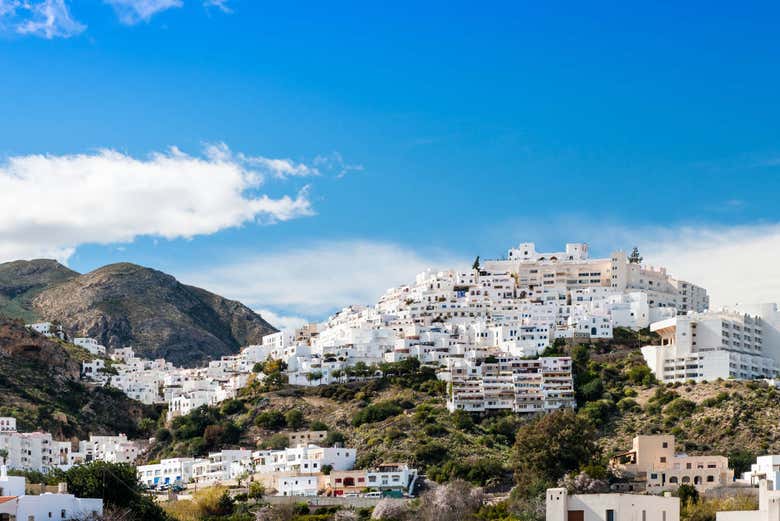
(39, 385)
(129, 305)
(21, 281)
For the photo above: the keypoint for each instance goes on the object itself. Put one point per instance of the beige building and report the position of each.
(652, 461)
(306, 437)
(610, 507)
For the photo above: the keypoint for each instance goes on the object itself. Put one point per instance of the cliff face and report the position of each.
(129, 305)
(39, 385)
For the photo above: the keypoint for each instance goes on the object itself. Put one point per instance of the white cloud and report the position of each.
(281, 322)
(131, 12)
(51, 204)
(737, 264)
(334, 162)
(320, 278)
(222, 5)
(44, 18)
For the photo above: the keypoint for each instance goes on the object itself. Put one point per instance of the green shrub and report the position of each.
(376, 413)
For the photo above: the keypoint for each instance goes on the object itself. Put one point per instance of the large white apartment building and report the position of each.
(574, 268)
(503, 382)
(711, 345)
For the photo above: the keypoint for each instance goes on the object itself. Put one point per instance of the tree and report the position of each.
(271, 420)
(117, 484)
(389, 510)
(635, 258)
(256, 491)
(3, 455)
(314, 375)
(552, 445)
(294, 418)
(475, 266)
(455, 501)
(687, 494)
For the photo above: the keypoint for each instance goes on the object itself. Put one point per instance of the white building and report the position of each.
(7, 424)
(91, 345)
(766, 468)
(304, 459)
(47, 329)
(707, 346)
(220, 466)
(391, 476)
(168, 472)
(41, 452)
(504, 382)
(562, 506)
(15, 504)
(297, 485)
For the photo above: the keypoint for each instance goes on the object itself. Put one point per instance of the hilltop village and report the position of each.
(492, 335)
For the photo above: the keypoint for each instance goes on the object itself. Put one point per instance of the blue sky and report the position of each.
(423, 135)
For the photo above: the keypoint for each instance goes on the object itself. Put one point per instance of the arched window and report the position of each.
(686, 479)
(673, 479)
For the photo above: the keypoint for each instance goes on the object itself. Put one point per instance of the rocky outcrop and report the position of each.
(129, 305)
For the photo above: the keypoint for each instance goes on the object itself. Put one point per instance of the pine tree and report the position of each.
(635, 258)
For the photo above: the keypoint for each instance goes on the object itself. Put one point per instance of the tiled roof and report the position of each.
(6, 499)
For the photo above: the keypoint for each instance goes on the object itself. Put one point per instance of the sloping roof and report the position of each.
(6, 499)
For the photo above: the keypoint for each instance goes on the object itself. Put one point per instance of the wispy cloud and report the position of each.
(52, 204)
(334, 162)
(45, 18)
(320, 278)
(222, 5)
(131, 12)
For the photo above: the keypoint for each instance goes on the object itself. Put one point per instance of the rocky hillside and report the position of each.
(125, 304)
(39, 386)
(22, 281)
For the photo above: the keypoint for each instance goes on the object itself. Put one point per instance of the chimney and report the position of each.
(62, 488)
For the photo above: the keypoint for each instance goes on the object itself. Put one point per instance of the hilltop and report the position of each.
(22, 281)
(126, 304)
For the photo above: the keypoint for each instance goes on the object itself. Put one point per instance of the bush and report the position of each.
(271, 420)
(294, 418)
(333, 438)
(680, 407)
(276, 442)
(232, 406)
(376, 413)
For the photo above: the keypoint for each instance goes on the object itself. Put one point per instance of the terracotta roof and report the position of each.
(6, 499)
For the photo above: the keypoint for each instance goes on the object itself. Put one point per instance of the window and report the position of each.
(663, 459)
(610, 515)
(665, 445)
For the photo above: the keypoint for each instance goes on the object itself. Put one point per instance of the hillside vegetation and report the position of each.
(403, 417)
